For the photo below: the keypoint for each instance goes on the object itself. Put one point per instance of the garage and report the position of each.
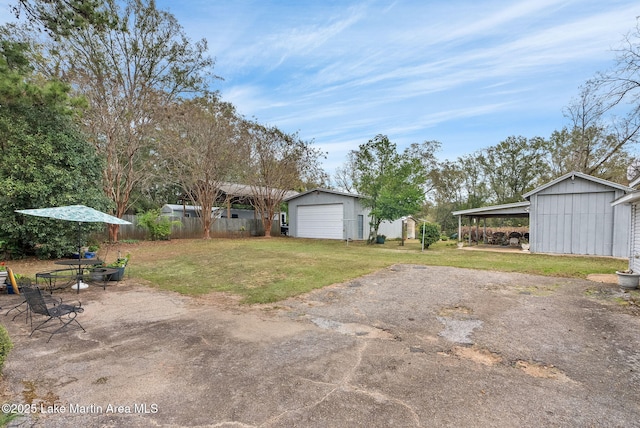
(320, 221)
(327, 214)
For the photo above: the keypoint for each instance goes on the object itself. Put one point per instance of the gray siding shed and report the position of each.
(311, 215)
(329, 214)
(574, 215)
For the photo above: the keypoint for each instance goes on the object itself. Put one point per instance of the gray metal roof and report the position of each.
(516, 209)
(333, 192)
(245, 190)
(580, 175)
(629, 198)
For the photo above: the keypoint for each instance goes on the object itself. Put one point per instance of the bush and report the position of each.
(158, 226)
(5, 345)
(431, 233)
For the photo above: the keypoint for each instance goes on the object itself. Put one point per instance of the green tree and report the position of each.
(129, 74)
(391, 183)
(46, 159)
(59, 17)
(514, 166)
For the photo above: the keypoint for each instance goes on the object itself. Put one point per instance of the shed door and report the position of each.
(580, 223)
(320, 221)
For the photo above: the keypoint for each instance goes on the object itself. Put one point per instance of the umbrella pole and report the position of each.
(79, 277)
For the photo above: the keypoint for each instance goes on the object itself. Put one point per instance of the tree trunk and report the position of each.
(206, 227)
(267, 227)
(113, 232)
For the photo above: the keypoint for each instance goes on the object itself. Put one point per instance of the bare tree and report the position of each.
(202, 147)
(128, 74)
(278, 163)
(605, 119)
(344, 177)
(591, 144)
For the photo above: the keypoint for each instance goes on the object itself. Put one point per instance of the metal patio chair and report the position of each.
(64, 313)
(23, 307)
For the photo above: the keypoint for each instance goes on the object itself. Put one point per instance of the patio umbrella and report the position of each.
(78, 213)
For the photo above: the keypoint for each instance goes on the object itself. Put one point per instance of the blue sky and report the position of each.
(466, 73)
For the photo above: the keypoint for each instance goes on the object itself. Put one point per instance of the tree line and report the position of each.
(108, 103)
(123, 77)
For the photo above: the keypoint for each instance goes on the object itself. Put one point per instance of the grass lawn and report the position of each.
(267, 270)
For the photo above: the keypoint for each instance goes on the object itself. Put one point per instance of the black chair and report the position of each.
(38, 306)
(23, 307)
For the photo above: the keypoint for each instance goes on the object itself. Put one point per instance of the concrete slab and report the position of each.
(406, 346)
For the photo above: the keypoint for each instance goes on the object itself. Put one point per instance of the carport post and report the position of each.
(484, 237)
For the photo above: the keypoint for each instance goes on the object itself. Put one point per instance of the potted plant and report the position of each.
(380, 239)
(91, 251)
(628, 279)
(119, 264)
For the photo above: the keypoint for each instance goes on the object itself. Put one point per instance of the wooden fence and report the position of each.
(192, 228)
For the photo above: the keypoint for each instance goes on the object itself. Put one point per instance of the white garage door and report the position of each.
(320, 221)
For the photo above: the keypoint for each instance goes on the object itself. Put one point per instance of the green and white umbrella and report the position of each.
(78, 213)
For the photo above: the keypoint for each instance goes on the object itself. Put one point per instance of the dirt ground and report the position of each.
(407, 346)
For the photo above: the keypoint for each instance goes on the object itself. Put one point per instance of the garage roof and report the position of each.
(334, 192)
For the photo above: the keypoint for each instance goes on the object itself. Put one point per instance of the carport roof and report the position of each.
(516, 209)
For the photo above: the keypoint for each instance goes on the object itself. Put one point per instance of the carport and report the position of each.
(514, 210)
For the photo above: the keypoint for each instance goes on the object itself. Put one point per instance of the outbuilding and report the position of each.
(573, 214)
(330, 214)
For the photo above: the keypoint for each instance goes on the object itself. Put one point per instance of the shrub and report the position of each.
(5, 345)
(158, 226)
(431, 233)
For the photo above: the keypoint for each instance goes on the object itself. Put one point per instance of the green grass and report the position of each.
(268, 270)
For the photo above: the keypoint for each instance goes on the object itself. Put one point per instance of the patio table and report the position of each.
(80, 265)
(57, 279)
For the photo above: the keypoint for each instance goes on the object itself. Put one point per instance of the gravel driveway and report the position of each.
(407, 346)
